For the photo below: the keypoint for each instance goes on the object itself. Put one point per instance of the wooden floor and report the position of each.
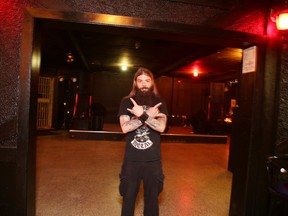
(80, 178)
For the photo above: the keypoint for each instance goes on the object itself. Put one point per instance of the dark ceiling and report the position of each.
(101, 48)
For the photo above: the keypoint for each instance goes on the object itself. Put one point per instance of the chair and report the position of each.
(277, 168)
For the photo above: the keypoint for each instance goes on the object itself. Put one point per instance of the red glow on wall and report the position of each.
(272, 31)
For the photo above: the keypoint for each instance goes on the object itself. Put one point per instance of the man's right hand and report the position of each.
(136, 110)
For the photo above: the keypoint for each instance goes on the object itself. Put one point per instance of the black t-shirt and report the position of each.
(142, 144)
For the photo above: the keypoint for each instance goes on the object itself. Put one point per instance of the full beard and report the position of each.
(144, 96)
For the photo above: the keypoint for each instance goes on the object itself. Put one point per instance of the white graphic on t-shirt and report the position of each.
(141, 139)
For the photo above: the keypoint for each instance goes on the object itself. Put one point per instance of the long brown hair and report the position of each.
(146, 72)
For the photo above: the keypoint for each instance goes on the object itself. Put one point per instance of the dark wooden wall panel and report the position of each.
(8, 188)
(240, 142)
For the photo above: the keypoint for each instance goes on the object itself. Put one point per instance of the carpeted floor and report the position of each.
(80, 178)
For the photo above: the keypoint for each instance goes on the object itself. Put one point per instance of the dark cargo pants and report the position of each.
(131, 175)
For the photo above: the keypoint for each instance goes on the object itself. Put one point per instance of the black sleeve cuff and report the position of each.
(143, 117)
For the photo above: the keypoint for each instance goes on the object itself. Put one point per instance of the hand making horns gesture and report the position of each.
(138, 110)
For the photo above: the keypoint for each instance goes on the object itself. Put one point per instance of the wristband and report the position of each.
(143, 117)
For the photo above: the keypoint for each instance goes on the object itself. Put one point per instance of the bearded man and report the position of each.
(143, 116)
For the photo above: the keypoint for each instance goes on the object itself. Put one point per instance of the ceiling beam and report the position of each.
(173, 31)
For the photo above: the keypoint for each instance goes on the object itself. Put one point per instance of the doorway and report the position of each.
(30, 64)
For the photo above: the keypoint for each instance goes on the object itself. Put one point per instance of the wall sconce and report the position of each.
(61, 79)
(282, 20)
(279, 15)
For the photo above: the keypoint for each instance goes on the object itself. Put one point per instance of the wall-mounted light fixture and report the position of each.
(68, 78)
(74, 79)
(279, 15)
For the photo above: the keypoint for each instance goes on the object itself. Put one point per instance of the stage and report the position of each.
(174, 134)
